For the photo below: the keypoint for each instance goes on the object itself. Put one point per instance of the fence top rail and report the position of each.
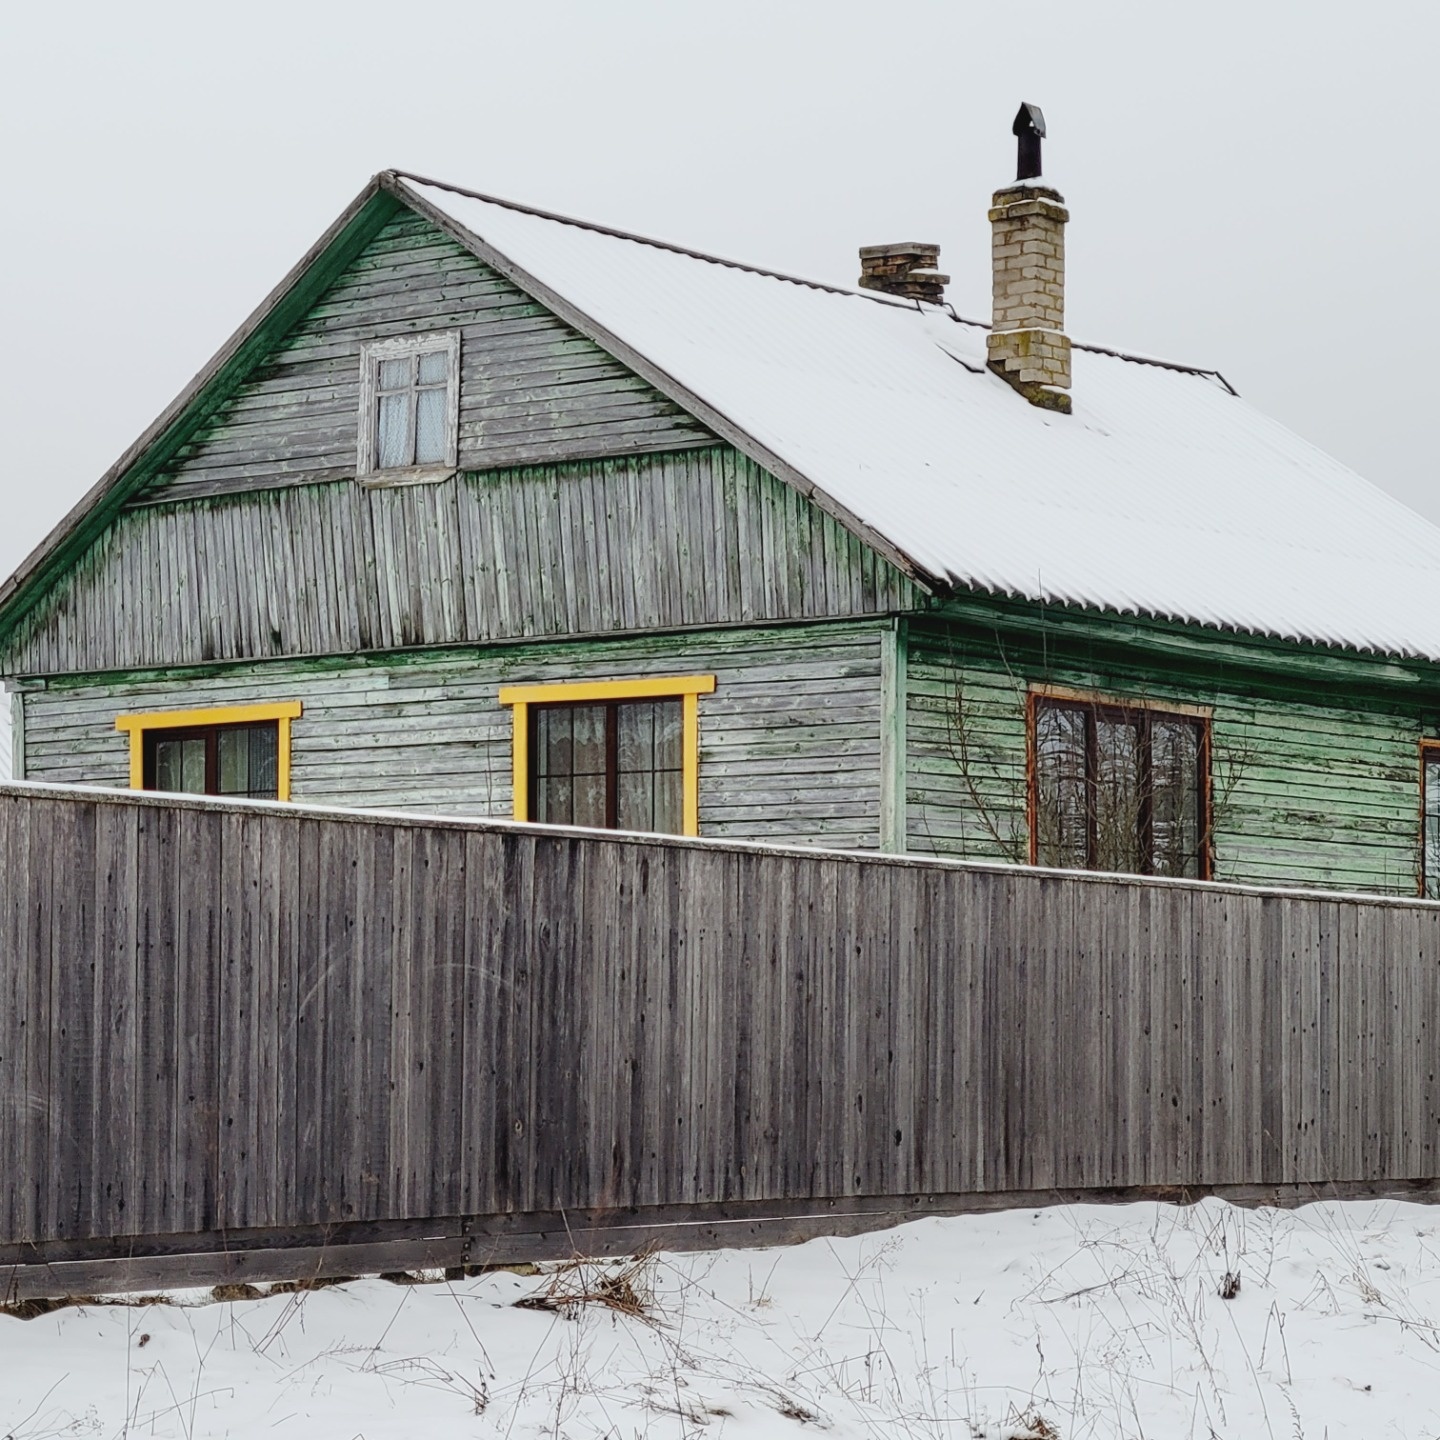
(290, 810)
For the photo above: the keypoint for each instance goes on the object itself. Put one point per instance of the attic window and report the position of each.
(409, 407)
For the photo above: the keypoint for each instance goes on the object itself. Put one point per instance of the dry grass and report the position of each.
(1029, 1424)
(626, 1286)
(48, 1305)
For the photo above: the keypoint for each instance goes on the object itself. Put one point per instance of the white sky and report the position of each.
(1251, 185)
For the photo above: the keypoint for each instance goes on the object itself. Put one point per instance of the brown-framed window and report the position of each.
(612, 764)
(1119, 787)
(1430, 819)
(236, 760)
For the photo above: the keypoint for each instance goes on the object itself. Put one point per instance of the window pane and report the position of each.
(1119, 791)
(569, 765)
(635, 744)
(590, 800)
(669, 735)
(1175, 800)
(553, 801)
(265, 762)
(395, 374)
(651, 800)
(234, 762)
(589, 753)
(1432, 825)
(669, 813)
(635, 800)
(435, 367)
(180, 765)
(393, 433)
(430, 427)
(249, 761)
(1061, 809)
(553, 740)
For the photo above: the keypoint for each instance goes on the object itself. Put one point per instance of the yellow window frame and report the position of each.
(137, 726)
(686, 688)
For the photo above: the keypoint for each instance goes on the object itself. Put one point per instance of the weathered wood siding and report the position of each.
(1310, 787)
(645, 543)
(223, 1019)
(789, 742)
(531, 389)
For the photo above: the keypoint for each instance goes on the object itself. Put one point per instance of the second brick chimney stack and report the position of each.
(908, 269)
(1027, 345)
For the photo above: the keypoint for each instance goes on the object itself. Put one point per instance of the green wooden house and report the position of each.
(491, 512)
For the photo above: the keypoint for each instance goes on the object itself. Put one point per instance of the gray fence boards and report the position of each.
(246, 1024)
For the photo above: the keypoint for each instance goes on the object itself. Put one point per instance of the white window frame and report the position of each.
(372, 352)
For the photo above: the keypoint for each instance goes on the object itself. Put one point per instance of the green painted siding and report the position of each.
(1314, 783)
(790, 740)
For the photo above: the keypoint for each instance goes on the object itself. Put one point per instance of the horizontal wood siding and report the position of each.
(1311, 787)
(531, 388)
(649, 542)
(224, 1019)
(789, 741)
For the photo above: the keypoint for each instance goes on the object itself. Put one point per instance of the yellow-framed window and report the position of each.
(240, 751)
(613, 754)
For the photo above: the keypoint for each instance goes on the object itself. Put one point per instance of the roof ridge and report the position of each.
(896, 302)
(650, 240)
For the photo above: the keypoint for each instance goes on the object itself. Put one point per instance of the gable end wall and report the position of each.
(532, 389)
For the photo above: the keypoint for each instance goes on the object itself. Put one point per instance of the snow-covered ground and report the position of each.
(1077, 1321)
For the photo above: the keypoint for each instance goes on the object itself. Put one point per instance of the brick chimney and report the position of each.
(1027, 345)
(907, 269)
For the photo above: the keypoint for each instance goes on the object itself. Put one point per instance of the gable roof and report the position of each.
(1163, 494)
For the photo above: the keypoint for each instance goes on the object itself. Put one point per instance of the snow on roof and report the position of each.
(1164, 494)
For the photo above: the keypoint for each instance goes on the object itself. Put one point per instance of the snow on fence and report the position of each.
(258, 1041)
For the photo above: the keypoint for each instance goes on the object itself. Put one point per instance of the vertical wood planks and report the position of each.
(593, 547)
(218, 1017)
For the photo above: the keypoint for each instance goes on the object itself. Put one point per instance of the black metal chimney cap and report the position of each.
(1029, 130)
(1029, 120)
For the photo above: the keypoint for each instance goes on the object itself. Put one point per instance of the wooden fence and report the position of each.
(258, 1040)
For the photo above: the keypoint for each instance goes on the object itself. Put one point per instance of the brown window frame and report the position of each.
(1125, 709)
(1427, 748)
(152, 738)
(612, 749)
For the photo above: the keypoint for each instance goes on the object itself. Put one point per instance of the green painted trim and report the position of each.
(1202, 654)
(196, 405)
(458, 656)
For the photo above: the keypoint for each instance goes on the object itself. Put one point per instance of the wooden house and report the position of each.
(490, 512)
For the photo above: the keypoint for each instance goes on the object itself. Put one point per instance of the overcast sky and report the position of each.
(1251, 184)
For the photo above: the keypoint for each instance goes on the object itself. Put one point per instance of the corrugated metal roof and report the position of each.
(1163, 494)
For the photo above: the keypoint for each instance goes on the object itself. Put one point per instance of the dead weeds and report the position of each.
(626, 1286)
(48, 1305)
